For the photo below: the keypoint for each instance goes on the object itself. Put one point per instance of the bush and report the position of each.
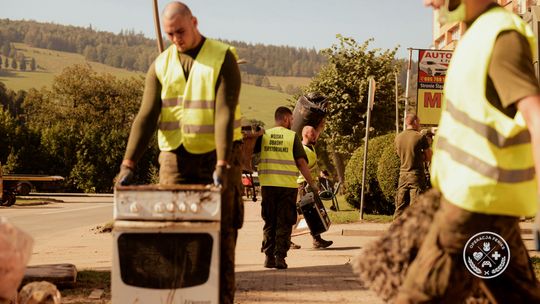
(374, 199)
(388, 172)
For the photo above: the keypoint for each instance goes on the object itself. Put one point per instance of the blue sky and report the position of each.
(302, 23)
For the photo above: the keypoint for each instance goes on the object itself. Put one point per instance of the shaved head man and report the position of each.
(180, 26)
(198, 128)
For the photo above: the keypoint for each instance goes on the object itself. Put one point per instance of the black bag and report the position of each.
(310, 110)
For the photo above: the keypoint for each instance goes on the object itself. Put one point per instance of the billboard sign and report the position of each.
(432, 66)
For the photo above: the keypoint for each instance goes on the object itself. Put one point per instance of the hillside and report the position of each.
(133, 51)
(256, 102)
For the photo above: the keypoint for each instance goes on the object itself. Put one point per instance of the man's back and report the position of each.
(410, 145)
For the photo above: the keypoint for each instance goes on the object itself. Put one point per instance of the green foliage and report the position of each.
(344, 80)
(374, 200)
(84, 122)
(388, 172)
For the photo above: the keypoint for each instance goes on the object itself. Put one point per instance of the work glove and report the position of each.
(125, 176)
(220, 175)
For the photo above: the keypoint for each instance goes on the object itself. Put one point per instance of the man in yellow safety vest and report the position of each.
(191, 98)
(485, 161)
(282, 155)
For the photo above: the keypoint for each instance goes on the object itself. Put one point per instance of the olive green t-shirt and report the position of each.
(410, 146)
(511, 75)
(227, 93)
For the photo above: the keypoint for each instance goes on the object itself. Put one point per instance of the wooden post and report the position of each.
(158, 27)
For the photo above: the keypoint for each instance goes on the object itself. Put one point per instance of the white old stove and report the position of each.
(166, 244)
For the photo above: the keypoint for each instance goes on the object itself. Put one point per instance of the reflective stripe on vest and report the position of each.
(187, 109)
(312, 164)
(277, 167)
(482, 159)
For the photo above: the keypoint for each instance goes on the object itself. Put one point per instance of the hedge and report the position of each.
(374, 199)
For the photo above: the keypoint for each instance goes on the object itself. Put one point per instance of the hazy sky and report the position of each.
(305, 23)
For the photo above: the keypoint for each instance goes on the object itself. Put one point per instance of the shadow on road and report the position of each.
(301, 279)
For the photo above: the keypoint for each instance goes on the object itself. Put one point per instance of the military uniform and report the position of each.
(410, 145)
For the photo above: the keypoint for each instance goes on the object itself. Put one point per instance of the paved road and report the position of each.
(62, 230)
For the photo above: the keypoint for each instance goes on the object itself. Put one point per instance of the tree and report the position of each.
(84, 123)
(33, 64)
(13, 63)
(344, 80)
(22, 64)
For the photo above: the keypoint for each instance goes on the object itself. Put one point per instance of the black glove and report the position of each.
(220, 175)
(125, 176)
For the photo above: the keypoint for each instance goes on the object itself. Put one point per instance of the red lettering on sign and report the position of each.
(432, 100)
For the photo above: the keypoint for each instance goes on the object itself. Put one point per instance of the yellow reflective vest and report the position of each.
(277, 167)
(187, 109)
(482, 159)
(312, 164)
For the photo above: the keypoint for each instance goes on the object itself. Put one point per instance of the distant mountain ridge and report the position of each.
(133, 51)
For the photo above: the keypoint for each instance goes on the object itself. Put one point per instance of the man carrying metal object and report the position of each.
(486, 154)
(191, 98)
(309, 138)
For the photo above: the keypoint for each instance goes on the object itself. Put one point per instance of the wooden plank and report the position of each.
(61, 275)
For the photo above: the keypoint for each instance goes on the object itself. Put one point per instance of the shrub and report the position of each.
(388, 172)
(374, 200)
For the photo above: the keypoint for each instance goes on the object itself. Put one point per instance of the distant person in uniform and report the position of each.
(198, 128)
(282, 155)
(413, 149)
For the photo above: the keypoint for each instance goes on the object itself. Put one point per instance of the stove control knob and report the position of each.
(194, 207)
(182, 207)
(159, 208)
(170, 207)
(134, 208)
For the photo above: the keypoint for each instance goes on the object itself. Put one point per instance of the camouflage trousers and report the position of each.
(438, 273)
(182, 167)
(278, 210)
(410, 186)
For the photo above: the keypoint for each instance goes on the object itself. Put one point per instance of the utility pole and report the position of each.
(397, 103)
(158, 27)
(371, 101)
(409, 67)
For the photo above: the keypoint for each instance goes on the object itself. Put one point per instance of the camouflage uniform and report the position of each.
(181, 167)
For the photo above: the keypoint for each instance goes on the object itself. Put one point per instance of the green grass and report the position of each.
(283, 81)
(256, 102)
(536, 265)
(260, 103)
(34, 201)
(88, 280)
(347, 214)
(51, 63)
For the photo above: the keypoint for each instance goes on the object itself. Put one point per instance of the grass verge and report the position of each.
(34, 201)
(88, 280)
(347, 214)
(536, 265)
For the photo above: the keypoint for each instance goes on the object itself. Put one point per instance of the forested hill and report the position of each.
(133, 51)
